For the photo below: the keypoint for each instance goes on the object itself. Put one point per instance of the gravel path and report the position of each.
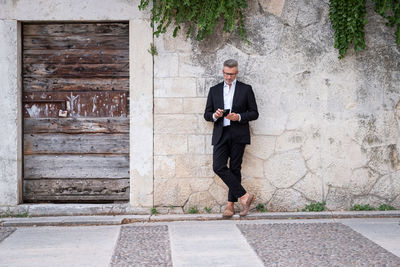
(5, 232)
(314, 244)
(142, 246)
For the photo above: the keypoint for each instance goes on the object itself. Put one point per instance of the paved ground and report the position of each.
(324, 242)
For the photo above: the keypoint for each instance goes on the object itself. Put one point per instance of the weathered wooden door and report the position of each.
(75, 105)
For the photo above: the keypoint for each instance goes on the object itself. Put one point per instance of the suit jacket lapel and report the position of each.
(221, 96)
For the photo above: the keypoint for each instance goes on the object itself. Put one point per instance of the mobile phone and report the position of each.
(226, 112)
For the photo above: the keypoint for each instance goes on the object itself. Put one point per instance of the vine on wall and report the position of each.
(201, 16)
(348, 21)
(390, 10)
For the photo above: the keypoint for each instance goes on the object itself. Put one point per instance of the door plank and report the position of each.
(67, 29)
(76, 166)
(71, 190)
(76, 84)
(75, 70)
(76, 125)
(76, 143)
(78, 104)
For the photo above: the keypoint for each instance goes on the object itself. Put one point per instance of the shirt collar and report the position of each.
(233, 84)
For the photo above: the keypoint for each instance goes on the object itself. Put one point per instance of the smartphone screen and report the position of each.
(226, 112)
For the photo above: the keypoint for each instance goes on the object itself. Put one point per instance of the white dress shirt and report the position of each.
(228, 99)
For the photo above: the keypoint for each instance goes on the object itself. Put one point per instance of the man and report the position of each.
(231, 132)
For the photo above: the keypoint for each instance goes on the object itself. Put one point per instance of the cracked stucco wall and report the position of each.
(328, 128)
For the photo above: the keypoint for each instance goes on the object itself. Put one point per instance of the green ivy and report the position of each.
(200, 16)
(348, 21)
(390, 10)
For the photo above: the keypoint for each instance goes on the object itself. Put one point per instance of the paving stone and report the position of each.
(6, 232)
(314, 244)
(142, 246)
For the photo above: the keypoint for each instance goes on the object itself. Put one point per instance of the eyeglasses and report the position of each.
(229, 74)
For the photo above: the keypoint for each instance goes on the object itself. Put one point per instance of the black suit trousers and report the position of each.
(224, 149)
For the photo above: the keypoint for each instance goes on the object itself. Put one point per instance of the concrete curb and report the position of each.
(126, 219)
(42, 210)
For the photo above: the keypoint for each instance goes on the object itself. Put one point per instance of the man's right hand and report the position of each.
(218, 113)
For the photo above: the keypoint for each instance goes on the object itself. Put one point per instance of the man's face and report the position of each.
(229, 74)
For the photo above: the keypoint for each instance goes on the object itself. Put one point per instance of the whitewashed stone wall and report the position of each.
(328, 128)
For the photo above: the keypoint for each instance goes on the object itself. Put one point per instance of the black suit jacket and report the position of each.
(244, 103)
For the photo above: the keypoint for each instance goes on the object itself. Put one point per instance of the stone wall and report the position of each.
(328, 128)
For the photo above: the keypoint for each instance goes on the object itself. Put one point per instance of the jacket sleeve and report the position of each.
(209, 111)
(252, 110)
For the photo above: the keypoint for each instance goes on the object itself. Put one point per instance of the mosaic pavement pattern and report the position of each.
(314, 244)
(142, 246)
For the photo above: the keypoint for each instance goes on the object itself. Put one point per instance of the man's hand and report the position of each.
(233, 116)
(218, 113)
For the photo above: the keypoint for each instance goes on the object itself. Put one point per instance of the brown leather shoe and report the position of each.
(246, 207)
(229, 212)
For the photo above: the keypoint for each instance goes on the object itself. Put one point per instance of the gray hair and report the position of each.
(230, 63)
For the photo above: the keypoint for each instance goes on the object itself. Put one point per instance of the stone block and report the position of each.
(308, 14)
(273, 6)
(396, 202)
(172, 191)
(229, 51)
(165, 65)
(203, 126)
(196, 144)
(167, 43)
(337, 175)
(219, 192)
(10, 119)
(168, 105)
(175, 124)
(203, 85)
(252, 166)
(200, 184)
(141, 114)
(373, 201)
(201, 200)
(287, 200)
(175, 87)
(311, 150)
(376, 129)
(269, 125)
(209, 147)
(194, 166)
(10, 184)
(361, 181)
(298, 120)
(90, 10)
(261, 146)
(285, 169)
(194, 105)
(261, 187)
(170, 144)
(311, 187)
(188, 67)
(338, 199)
(289, 140)
(388, 186)
(164, 167)
(378, 159)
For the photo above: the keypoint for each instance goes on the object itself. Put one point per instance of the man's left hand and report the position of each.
(232, 116)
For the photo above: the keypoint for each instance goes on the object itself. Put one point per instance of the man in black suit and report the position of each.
(231, 105)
